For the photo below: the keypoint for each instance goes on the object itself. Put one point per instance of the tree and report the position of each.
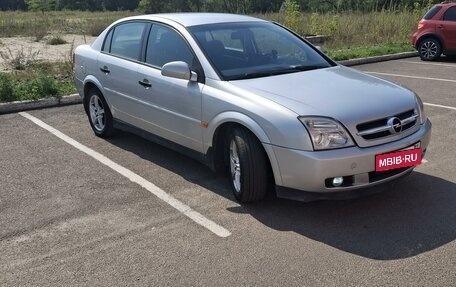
(114, 5)
(150, 6)
(12, 5)
(40, 5)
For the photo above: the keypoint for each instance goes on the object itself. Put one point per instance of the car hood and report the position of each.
(338, 92)
(341, 93)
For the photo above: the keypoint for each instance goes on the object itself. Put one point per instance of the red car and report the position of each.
(436, 32)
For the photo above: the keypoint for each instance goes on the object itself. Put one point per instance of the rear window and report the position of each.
(431, 13)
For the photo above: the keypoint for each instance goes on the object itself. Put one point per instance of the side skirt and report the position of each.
(206, 159)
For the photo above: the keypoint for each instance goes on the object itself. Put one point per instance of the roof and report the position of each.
(195, 19)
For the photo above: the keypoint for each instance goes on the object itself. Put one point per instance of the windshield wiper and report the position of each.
(302, 68)
(278, 71)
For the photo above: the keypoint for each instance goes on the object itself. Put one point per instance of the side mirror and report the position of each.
(179, 70)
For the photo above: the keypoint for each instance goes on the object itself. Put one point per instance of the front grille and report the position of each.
(381, 128)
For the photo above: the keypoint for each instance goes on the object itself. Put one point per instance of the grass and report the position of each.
(368, 51)
(351, 35)
(38, 25)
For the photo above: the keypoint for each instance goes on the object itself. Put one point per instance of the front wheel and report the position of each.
(248, 166)
(100, 116)
(429, 49)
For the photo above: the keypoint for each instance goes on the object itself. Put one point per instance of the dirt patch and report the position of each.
(40, 50)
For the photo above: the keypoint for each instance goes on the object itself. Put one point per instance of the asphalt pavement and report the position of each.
(77, 210)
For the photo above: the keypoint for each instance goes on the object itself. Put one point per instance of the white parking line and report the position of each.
(427, 63)
(440, 106)
(181, 207)
(412, 77)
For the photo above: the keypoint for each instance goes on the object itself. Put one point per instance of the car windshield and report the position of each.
(255, 49)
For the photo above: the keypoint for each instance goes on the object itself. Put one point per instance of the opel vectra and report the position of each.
(254, 99)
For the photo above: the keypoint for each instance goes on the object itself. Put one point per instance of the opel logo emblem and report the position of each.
(395, 125)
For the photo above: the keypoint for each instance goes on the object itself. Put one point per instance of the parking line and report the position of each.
(440, 106)
(152, 188)
(412, 77)
(427, 63)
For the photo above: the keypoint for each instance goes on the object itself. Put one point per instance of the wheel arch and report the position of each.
(90, 82)
(430, 35)
(220, 130)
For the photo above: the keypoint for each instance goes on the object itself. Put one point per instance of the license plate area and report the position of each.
(410, 156)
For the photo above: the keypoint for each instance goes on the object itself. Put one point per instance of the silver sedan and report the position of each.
(252, 98)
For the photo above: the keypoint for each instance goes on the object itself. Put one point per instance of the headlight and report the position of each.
(326, 133)
(420, 108)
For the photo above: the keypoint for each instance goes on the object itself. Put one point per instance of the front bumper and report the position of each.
(309, 170)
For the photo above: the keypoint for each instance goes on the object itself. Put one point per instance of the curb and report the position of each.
(368, 60)
(13, 107)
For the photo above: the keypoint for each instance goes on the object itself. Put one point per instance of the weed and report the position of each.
(19, 60)
(68, 63)
(6, 88)
(56, 40)
(96, 26)
(40, 30)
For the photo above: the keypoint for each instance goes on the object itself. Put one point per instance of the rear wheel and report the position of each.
(248, 166)
(429, 49)
(100, 116)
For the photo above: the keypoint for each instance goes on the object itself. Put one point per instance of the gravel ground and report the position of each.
(39, 50)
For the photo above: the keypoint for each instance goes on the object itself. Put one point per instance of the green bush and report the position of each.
(42, 87)
(56, 40)
(36, 88)
(6, 88)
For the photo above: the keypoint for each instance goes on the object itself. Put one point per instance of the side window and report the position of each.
(126, 40)
(107, 42)
(450, 14)
(166, 45)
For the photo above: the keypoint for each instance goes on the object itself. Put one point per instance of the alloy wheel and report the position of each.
(235, 166)
(97, 113)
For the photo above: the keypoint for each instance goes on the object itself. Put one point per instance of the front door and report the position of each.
(448, 28)
(172, 107)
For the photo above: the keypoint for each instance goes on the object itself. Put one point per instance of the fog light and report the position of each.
(337, 181)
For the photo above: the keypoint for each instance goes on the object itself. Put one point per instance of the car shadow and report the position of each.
(446, 59)
(415, 215)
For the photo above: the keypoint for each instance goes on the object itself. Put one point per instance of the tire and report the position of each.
(248, 166)
(429, 49)
(99, 114)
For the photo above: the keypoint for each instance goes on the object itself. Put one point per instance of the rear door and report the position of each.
(118, 65)
(448, 28)
(171, 107)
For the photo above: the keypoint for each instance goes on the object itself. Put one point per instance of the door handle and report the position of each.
(145, 83)
(105, 70)
(441, 26)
